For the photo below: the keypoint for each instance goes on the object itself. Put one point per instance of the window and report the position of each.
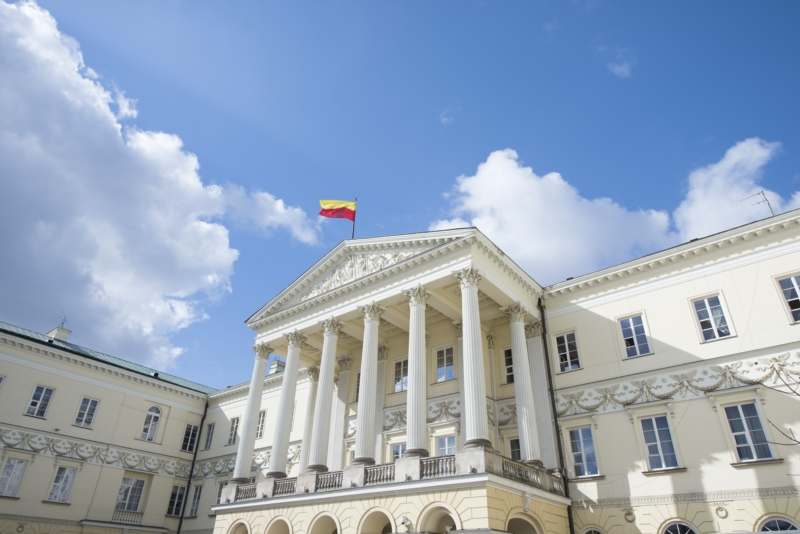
(446, 445)
(195, 501)
(62, 484)
(567, 352)
(358, 385)
(712, 320)
(2, 379)
(583, 457)
(11, 476)
(40, 401)
(748, 433)
(444, 365)
(219, 491)
(778, 525)
(791, 292)
(658, 440)
(679, 528)
(634, 336)
(516, 454)
(130, 492)
(176, 500)
(234, 428)
(260, 428)
(190, 438)
(86, 412)
(508, 361)
(398, 451)
(151, 424)
(209, 435)
(400, 376)
(592, 531)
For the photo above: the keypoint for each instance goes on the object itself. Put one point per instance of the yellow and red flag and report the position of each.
(338, 209)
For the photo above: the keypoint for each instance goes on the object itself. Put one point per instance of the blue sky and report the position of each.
(633, 126)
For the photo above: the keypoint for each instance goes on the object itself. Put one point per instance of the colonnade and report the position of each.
(474, 418)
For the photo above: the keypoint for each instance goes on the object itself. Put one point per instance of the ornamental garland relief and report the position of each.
(356, 266)
(694, 383)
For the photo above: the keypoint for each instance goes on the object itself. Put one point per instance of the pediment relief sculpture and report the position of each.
(354, 267)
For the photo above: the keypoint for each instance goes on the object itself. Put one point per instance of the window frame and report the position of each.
(94, 413)
(402, 445)
(209, 436)
(403, 377)
(732, 439)
(196, 437)
(20, 478)
(176, 500)
(767, 520)
(664, 467)
(631, 316)
(785, 303)
(152, 426)
(579, 429)
(39, 402)
(518, 449)
(508, 365)
(447, 447)
(678, 524)
(54, 481)
(194, 506)
(2, 381)
(445, 366)
(221, 485)
(557, 356)
(233, 434)
(725, 311)
(138, 498)
(262, 420)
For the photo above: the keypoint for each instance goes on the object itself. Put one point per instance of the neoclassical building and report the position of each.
(428, 384)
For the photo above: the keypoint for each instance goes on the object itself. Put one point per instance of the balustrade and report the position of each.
(379, 474)
(246, 492)
(128, 518)
(285, 486)
(521, 473)
(329, 481)
(438, 466)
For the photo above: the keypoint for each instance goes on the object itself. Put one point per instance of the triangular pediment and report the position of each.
(353, 260)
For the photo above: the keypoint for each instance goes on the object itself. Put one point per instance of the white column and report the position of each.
(460, 356)
(280, 443)
(523, 388)
(247, 436)
(416, 398)
(541, 396)
(321, 429)
(380, 394)
(493, 382)
(368, 388)
(308, 420)
(475, 420)
(339, 409)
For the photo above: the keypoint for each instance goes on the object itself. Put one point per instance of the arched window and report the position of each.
(779, 525)
(679, 528)
(151, 424)
(592, 531)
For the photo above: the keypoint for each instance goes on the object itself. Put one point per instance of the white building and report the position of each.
(416, 397)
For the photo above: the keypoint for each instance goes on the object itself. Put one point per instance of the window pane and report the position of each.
(62, 484)
(195, 500)
(11, 477)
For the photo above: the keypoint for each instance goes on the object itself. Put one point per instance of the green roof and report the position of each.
(105, 358)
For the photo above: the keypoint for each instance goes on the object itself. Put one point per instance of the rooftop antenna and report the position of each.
(764, 201)
(62, 321)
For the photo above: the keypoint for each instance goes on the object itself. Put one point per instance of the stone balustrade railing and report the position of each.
(128, 518)
(465, 462)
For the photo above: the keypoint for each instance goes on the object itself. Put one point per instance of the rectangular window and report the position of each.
(748, 433)
(712, 318)
(130, 492)
(444, 365)
(446, 445)
(584, 459)
(195, 501)
(11, 477)
(86, 412)
(401, 376)
(658, 440)
(516, 454)
(358, 385)
(219, 491)
(62, 484)
(398, 451)
(2, 379)
(508, 361)
(209, 435)
(791, 292)
(234, 429)
(176, 500)
(190, 438)
(262, 415)
(567, 352)
(634, 336)
(40, 401)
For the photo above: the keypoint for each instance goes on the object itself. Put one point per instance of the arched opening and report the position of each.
(324, 525)
(520, 526)
(376, 522)
(438, 521)
(278, 526)
(239, 528)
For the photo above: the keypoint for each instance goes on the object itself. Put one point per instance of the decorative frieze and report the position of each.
(354, 267)
(396, 420)
(509, 415)
(681, 498)
(444, 411)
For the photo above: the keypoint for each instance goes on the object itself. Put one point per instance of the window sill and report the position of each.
(444, 381)
(628, 358)
(703, 342)
(56, 502)
(9, 497)
(569, 371)
(588, 478)
(666, 471)
(145, 441)
(758, 462)
(35, 416)
(398, 392)
(81, 426)
(190, 517)
(172, 516)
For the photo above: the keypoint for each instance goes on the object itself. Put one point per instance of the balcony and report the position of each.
(464, 463)
(127, 518)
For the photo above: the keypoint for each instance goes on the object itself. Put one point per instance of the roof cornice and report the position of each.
(242, 389)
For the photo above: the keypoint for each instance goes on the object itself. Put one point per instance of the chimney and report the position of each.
(59, 333)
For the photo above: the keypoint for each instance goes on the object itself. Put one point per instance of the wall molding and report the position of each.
(712, 496)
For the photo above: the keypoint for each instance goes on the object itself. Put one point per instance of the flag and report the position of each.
(338, 209)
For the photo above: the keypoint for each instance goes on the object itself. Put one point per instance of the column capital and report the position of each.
(262, 350)
(459, 326)
(383, 351)
(516, 312)
(417, 295)
(469, 277)
(295, 338)
(332, 326)
(313, 373)
(533, 329)
(344, 362)
(490, 339)
(372, 312)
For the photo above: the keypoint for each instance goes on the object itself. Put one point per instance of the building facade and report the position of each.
(431, 385)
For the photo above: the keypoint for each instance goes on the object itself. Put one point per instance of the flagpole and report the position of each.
(353, 234)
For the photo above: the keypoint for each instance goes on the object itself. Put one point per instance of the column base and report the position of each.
(422, 453)
(276, 474)
(319, 468)
(534, 463)
(478, 442)
(364, 460)
(243, 480)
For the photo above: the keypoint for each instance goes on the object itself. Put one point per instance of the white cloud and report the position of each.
(623, 60)
(445, 117)
(553, 232)
(551, 26)
(623, 70)
(113, 223)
